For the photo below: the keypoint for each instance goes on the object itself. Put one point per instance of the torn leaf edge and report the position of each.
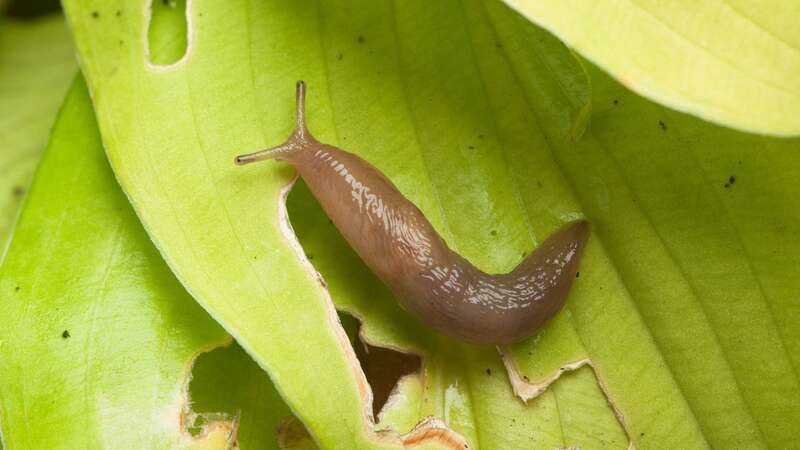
(527, 390)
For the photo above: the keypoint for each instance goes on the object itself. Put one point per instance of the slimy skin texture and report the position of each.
(401, 247)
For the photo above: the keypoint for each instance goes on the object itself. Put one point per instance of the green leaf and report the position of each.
(98, 336)
(683, 307)
(734, 63)
(36, 63)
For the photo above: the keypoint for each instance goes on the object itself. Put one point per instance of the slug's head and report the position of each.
(299, 140)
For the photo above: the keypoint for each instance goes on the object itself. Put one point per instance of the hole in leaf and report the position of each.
(383, 367)
(292, 434)
(27, 9)
(167, 34)
(227, 385)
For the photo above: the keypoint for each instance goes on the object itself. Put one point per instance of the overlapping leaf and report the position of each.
(98, 337)
(732, 62)
(36, 63)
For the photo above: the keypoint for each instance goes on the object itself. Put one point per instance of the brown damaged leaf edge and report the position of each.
(400, 245)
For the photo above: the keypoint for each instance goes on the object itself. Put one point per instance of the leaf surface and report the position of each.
(731, 62)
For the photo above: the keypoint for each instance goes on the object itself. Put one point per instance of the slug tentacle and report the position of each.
(297, 141)
(403, 249)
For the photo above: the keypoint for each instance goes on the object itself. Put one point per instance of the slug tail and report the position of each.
(555, 260)
(549, 271)
(296, 142)
(562, 249)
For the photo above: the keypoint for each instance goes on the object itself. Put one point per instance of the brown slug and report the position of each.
(401, 247)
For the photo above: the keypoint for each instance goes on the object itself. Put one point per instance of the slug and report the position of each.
(401, 247)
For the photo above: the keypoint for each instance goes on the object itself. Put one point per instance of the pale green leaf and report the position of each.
(732, 62)
(36, 63)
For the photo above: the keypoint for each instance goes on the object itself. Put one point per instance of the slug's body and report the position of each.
(401, 247)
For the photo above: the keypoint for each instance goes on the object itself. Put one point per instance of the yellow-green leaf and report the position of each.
(731, 62)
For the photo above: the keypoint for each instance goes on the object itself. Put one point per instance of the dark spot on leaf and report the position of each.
(524, 254)
(118, 13)
(525, 377)
(740, 163)
(493, 233)
(616, 102)
(18, 191)
(641, 434)
(577, 274)
(539, 184)
(727, 185)
(65, 334)
(339, 57)
(310, 257)
(95, 14)
(330, 222)
(361, 39)
(480, 136)
(488, 371)
(16, 289)
(498, 45)
(471, 147)
(662, 125)
(732, 179)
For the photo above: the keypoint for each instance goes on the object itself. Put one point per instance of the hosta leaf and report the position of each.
(98, 336)
(473, 113)
(731, 62)
(36, 63)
